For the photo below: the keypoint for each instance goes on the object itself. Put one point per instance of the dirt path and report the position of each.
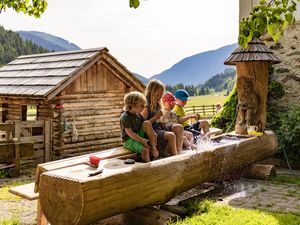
(16, 208)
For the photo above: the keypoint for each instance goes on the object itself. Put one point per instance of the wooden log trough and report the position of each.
(70, 196)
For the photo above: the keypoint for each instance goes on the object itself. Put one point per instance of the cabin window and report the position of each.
(29, 113)
(3, 111)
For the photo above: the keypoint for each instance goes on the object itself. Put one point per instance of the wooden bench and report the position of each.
(30, 191)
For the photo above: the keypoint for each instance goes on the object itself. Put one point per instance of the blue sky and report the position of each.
(146, 40)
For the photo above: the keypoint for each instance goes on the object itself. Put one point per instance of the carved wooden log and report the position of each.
(260, 171)
(70, 196)
(252, 88)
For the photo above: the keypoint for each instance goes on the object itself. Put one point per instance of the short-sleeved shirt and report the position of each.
(169, 118)
(130, 120)
(181, 113)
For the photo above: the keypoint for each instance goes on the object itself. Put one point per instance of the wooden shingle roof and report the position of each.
(256, 51)
(43, 74)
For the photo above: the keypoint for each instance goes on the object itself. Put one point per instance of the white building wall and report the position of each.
(247, 5)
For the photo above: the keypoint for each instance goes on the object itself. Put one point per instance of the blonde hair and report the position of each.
(132, 99)
(153, 87)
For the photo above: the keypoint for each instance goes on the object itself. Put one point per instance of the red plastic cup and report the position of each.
(94, 160)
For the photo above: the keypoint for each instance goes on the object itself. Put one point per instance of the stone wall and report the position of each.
(288, 50)
(288, 71)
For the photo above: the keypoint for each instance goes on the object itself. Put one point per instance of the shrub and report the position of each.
(288, 133)
(226, 118)
(275, 90)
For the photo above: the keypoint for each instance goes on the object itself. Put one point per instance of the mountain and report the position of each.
(144, 79)
(198, 68)
(12, 46)
(48, 41)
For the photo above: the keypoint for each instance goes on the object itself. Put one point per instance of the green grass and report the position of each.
(286, 179)
(3, 173)
(206, 100)
(6, 195)
(12, 221)
(212, 214)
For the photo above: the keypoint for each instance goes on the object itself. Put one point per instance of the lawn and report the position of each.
(213, 214)
(206, 100)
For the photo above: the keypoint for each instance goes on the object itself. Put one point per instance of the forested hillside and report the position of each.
(12, 46)
(222, 82)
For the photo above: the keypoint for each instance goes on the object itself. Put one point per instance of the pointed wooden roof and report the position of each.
(256, 51)
(45, 75)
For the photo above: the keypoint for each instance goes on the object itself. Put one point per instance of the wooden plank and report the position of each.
(30, 123)
(25, 191)
(32, 139)
(48, 138)
(7, 151)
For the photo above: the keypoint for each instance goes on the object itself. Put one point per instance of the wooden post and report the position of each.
(17, 131)
(47, 140)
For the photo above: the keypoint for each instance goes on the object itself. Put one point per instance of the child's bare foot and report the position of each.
(155, 152)
(145, 155)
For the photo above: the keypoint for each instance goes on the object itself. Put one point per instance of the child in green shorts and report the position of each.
(135, 130)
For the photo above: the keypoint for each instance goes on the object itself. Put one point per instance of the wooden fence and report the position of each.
(207, 111)
(37, 132)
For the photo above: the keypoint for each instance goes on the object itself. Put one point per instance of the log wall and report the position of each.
(92, 105)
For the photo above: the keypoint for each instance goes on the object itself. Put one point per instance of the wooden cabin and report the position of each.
(68, 103)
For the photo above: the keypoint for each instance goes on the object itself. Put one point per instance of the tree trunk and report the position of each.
(70, 196)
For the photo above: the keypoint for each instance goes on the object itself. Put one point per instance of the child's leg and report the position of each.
(190, 139)
(178, 131)
(147, 127)
(145, 154)
(189, 136)
(186, 143)
(171, 139)
(138, 147)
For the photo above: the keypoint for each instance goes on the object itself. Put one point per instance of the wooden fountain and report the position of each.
(70, 196)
